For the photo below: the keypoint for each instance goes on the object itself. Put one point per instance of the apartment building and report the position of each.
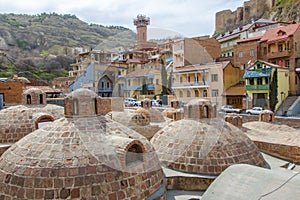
(281, 46)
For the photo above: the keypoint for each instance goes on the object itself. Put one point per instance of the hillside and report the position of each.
(30, 41)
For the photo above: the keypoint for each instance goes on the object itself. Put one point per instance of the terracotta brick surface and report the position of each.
(204, 147)
(82, 157)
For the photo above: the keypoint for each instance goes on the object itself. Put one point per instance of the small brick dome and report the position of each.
(202, 148)
(34, 96)
(18, 121)
(86, 157)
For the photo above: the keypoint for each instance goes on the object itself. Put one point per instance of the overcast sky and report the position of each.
(187, 17)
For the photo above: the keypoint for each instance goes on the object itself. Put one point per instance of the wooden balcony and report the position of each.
(258, 87)
(279, 54)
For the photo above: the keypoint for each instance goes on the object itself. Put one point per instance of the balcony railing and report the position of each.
(138, 87)
(191, 84)
(105, 90)
(279, 54)
(258, 87)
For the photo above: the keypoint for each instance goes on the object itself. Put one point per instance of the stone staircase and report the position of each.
(287, 103)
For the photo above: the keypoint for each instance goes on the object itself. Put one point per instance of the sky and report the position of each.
(188, 18)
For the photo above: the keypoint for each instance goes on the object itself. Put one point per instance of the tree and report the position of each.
(273, 99)
(164, 79)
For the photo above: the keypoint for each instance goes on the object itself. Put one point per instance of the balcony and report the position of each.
(138, 87)
(258, 87)
(178, 85)
(279, 54)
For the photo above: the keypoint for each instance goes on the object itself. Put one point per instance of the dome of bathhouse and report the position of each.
(204, 148)
(138, 122)
(18, 121)
(83, 155)
(151, 113)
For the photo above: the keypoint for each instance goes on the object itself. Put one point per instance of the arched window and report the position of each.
(28, 99)
(75, 107)
(43, 121)
(196, 93)
(190, 108)
(93, 106)
(188, 93)
(180, 94)
(41, 99)
(205, 112)
(134, 154)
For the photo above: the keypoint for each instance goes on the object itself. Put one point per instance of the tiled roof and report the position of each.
(272, 35)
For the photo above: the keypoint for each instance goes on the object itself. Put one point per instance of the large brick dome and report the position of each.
(204, 148)
(84, 157)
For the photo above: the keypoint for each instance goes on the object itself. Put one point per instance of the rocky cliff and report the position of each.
(277, 10)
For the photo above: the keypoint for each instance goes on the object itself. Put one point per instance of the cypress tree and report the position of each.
(164, 78)
(273, 100)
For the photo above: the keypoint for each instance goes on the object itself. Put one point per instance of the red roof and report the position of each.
(280, 33)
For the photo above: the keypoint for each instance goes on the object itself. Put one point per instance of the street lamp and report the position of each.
(282, 105)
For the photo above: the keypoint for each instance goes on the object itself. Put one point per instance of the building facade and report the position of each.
(258, 80)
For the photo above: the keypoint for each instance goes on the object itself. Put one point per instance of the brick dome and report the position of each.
(204, 148)
(18, 121)
(84, 157)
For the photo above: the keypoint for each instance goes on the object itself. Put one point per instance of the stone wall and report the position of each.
(12, 92)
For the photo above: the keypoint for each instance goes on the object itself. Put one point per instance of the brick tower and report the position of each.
(141, 22)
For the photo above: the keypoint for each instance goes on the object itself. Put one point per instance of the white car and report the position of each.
(230, 109)
(254, 111)
(132, 102)
(155, 102)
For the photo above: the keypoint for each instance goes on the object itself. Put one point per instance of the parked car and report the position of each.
(131, 102)
(254, 110)
(155, 102)
(230, 109)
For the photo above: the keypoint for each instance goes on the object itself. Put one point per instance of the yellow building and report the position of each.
(258, 84)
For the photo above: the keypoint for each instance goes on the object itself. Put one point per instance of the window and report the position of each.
(180, 94)
(265, 50)
(157, 81)
(28, 99)
(196, 79)
(196, 93)
(204, 93)
(107, 85)
(188, 93)
(41, 98)
(259, 81)
(75, 106)
(215, 93)
(288, 46)
(241, 54)
(134, 154)
(287, 63)
(267, 80)
(189, 78)
(252, 53)
(214, 78)
(251, 81)
(280, 47)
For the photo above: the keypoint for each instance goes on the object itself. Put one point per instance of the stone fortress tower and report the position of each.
(251, 10)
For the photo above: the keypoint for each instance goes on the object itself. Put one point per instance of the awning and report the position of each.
(257, 74)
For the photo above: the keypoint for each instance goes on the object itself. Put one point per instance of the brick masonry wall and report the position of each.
(12, 91)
